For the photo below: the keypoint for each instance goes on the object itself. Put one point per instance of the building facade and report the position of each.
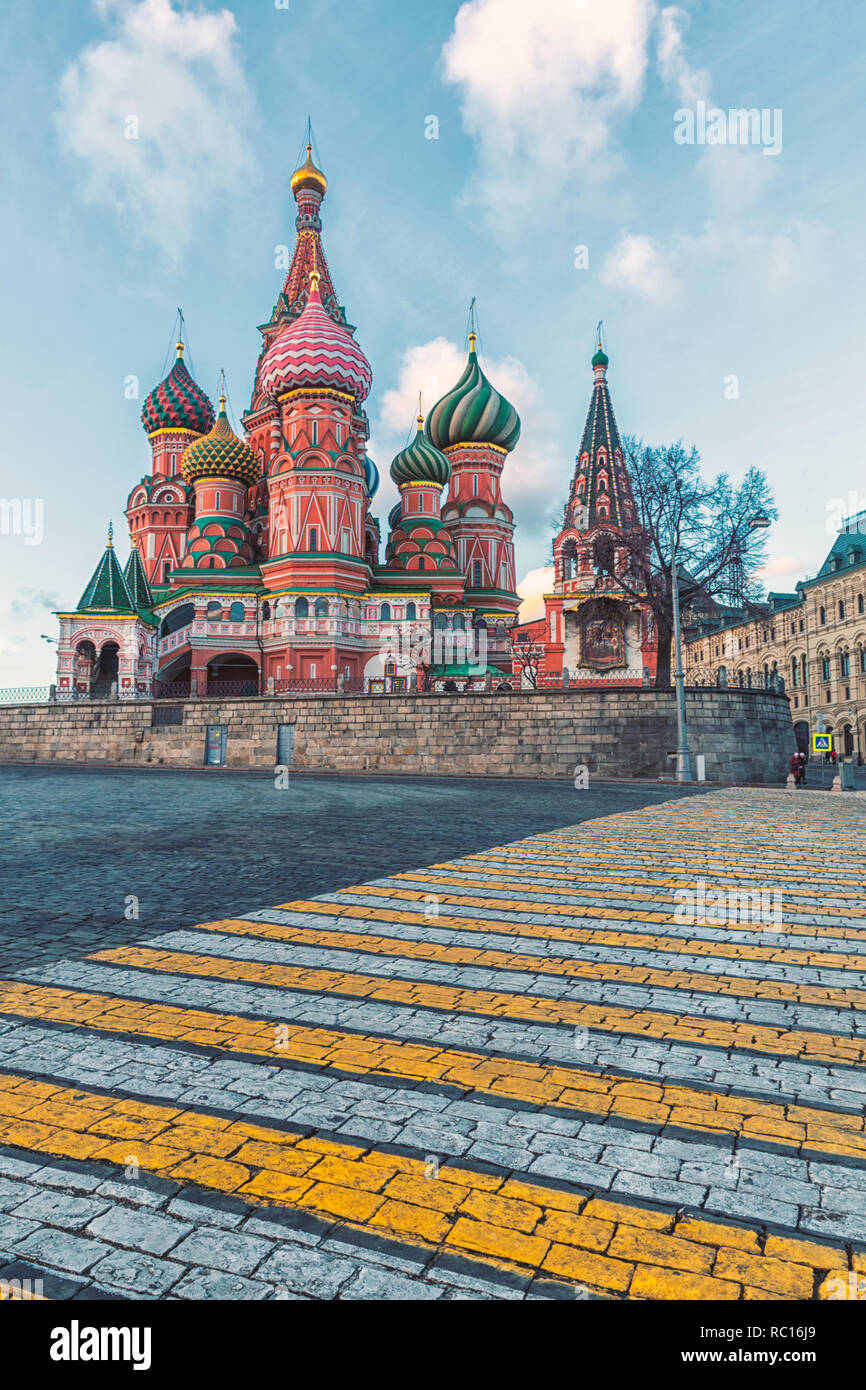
(814, 638)
(255, 561)
(597, 624)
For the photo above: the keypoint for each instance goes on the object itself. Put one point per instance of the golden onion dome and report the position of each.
(308, 176)
(220, 454)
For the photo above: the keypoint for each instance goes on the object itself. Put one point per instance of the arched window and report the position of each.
(385, 612)
(459, 622)
(476, 574)
(236, 613)
(844, 664)
(410, 610)
(422, 562)
(321, 608)
(214, 610)
(861, 604)
(825, 668)
(216, 501)
(302, 608)
(841, 608)
(266, 610)
(474, 484)
(822, 616)
(440, 621)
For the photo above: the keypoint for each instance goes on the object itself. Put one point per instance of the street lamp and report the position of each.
(684, 757)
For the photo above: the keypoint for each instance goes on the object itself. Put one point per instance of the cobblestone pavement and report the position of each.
(76, 843)
(574, 1065)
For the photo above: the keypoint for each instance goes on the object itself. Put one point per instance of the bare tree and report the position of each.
(707, 523)
(528, 652)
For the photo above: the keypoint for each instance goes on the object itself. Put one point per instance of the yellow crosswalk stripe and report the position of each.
(652, 1102)
(677, 945)
(654, 1023)
(610, 1245)
(711, 983)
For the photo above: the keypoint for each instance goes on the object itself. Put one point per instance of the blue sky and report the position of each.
(555, 131)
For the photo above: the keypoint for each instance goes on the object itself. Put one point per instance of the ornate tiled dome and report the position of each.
(177, 403)
(220, 454)
(420, 462)
(473, 412)
(315, 351)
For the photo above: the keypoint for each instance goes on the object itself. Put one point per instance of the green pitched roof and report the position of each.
(107, 591)
(136, 580)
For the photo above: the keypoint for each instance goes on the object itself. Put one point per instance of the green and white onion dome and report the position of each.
(420, 462)
(371, 477)
(473, 412)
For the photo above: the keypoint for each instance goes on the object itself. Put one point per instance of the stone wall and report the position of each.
(745, 735)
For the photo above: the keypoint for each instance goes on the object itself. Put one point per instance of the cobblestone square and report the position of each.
(430, 1040)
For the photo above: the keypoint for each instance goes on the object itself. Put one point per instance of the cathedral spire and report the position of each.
(309, 187)
(601, 487)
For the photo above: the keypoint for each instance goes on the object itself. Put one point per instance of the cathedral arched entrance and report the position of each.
(105, 669)
(232, 673)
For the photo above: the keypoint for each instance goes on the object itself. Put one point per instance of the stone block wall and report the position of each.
(745, 735)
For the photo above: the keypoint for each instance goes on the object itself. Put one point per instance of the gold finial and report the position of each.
(111, 535)
(315, 277)
(179, 349)
(473, 338)
(420, 413)
(133, 543)
(222, 395)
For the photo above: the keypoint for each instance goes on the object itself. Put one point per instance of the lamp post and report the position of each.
(684, 757)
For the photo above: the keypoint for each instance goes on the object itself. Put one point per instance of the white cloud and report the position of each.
(532, 588)
(543, 84)
(637, 264)
(174, 78)
(529, 480)
(690, 83)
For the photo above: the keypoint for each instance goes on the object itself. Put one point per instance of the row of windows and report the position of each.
(861, 608)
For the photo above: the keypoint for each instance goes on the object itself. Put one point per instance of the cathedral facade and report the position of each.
(256, 562)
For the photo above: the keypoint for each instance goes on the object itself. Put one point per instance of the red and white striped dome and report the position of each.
(315, 351)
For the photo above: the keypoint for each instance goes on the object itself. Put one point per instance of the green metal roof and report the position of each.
(107, 591)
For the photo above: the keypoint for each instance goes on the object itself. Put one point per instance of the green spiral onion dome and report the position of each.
(420, 462)
(177, 403)
(221, 455)
(473, 412)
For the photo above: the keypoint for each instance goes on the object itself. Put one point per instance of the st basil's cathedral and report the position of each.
(255, 564)
(256, 561)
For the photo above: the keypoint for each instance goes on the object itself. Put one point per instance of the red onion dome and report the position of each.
(177, 403)
(317, 352)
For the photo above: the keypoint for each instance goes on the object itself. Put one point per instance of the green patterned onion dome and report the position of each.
(420, 462)
(220, 454)
(473, 412)
(177, 403)
(600, 359)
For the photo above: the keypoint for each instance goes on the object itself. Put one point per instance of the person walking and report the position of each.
(796, 768)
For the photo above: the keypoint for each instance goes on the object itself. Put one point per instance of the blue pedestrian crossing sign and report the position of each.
(822, 743)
